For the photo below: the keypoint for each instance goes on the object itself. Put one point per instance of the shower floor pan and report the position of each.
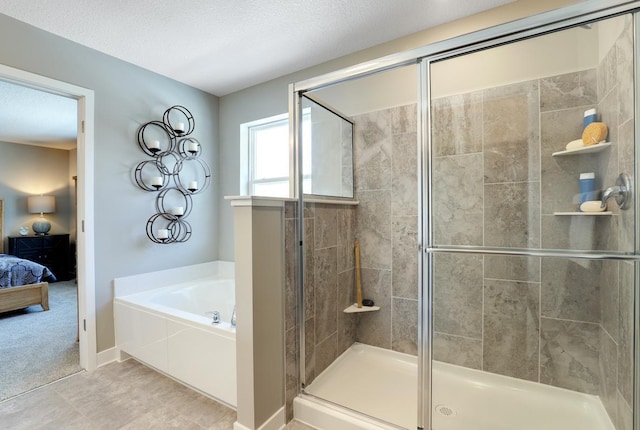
(382, 384)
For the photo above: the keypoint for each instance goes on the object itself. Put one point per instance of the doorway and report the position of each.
(85, 269)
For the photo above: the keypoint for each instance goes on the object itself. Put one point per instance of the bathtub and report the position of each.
(168, 327)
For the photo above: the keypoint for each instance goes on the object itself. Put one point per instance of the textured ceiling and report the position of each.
(224, 46)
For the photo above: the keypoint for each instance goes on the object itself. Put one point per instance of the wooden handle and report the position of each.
(358, 281)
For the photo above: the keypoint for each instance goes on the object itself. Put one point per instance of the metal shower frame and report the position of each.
(548, 22)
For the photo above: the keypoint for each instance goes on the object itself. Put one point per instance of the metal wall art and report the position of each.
(175, 172)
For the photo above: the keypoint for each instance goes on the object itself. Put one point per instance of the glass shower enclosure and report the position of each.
(494, 201)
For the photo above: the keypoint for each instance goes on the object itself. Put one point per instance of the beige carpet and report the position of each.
(38, 347)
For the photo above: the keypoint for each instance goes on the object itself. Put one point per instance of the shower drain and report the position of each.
(445, 411)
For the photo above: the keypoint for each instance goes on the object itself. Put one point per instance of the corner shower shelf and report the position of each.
(355, 309)
(583, 213)
(584, 150)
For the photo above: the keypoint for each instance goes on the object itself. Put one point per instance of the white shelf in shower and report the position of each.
(584, 150)
(583, 213)
(355, 309)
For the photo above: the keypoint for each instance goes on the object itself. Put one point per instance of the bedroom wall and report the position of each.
(27, 170)
(126, 96)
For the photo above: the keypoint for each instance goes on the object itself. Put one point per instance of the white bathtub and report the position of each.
(167, 327)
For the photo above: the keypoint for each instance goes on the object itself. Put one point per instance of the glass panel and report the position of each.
(271, 150)
(327, 150)
(366, 360)
(534, 342)
(502, 176)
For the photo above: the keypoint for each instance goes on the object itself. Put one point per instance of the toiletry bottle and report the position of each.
(590, 116)
(587, 188)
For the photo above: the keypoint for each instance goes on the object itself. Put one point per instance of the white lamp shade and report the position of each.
(41, 204)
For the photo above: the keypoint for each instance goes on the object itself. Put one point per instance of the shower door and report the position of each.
(531, 293)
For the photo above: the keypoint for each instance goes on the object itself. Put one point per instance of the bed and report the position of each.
(23, 283)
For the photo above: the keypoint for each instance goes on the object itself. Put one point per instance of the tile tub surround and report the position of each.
(572, 317)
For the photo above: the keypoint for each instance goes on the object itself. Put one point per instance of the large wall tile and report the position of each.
(510, 335)
(374, 328)
(326, 292)
(607, 73)
(609, 374)
(458, 200)
(309, 272)
(511, 133)
(456, 124)
(374, 229)
(346, 322)
(326, 225)
(624, 72)
(512, 214)
(610, 298)
(404, 317)
(626, 326)
(309, 350)
(404, 119)
(571, 289)
(291, 367)
(569, 355)
(457, 295)
(568, 90)
(326, 352)
(372, 151)
(405, 256)
(346, 237)
(290, 283)
(625, 414)
(461, 351)
(626, 143)
(405, 174)
(512, 268)
(608, 169)
(582, 233)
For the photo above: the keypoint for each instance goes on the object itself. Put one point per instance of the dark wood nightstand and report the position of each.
(51, 250)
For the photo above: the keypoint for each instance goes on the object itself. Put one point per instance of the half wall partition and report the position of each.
(502, 305)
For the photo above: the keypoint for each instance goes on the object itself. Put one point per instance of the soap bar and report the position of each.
(575, 144)
(592, 206)
(595, 132)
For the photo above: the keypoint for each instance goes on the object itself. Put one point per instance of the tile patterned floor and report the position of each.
(125, 395)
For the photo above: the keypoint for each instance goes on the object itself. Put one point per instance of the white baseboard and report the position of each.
(275, 422)
(107, 356)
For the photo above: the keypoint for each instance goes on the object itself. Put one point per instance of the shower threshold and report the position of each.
(382, 384)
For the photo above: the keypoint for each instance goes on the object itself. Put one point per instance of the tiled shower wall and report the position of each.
(329, 288)
(557, 321)
(385, 222)
(562, 322)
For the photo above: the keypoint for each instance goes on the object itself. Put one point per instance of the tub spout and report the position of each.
(233, 317)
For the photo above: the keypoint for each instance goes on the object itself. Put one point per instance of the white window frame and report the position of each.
(247, 160)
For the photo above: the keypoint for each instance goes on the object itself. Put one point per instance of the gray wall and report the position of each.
(126, 96)
(28, 170)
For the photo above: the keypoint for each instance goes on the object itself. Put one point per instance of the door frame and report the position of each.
(85, 244)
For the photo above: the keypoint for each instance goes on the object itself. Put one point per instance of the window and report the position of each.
(264, 154)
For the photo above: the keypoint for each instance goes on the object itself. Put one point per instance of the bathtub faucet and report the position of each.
(215, 317)
(233, 317)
